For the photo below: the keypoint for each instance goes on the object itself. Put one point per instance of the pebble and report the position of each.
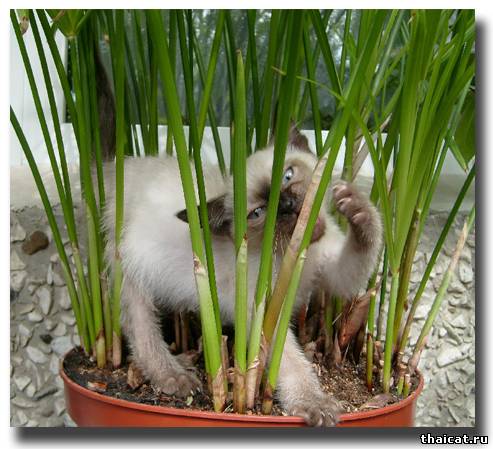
(17, 280)
(466, 255)
(36, 355)
(64, 299)
(61, 345)
(49, 275)
(448, 356)
(49, 324)
(47, 410)
(466, 274)
(30, 391)
(455, 414)
(422, 311)
(46, 391)
(58, 280)
(54, 364)
(54, 258)
(16, 262)
(37, 241)
(21, 402)
(35, 317)
(19, 419)
(22, 382)
(60, 330)
(24, 330)
(17, 233)
(32, 423)
(68, 318)
(459, 322)
(59, 406)
(46, 338)
(456, 287)
(45, 299)
(453, 376)
(22, 309)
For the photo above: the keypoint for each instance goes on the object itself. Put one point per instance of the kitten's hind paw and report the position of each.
(177, 383)
(321, 411)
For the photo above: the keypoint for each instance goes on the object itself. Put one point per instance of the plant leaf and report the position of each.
(465, 133)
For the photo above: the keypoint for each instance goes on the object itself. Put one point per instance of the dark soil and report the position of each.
(345, 383)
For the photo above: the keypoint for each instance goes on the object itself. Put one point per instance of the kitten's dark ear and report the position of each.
(218, 223)
(297, 139)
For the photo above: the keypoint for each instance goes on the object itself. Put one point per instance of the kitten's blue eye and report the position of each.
(288, 174)
(256, 213)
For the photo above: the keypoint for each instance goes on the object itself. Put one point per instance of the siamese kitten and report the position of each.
(157, 260)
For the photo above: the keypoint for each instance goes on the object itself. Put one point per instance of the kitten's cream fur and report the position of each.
(158, 268)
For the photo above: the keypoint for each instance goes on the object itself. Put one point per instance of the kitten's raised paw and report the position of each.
(178, 383)
(321, 411)
(350, 203)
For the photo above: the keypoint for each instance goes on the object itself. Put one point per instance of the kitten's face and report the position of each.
(297, 173)
(298, 167)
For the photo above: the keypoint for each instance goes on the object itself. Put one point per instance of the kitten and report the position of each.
(158, 269)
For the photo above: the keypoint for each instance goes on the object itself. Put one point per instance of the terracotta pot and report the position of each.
(90, 409)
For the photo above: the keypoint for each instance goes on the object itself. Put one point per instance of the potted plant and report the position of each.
(403, 93)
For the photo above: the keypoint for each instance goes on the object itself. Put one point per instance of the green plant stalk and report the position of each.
(322, 39)
(102, 325)
(389, 335)
(195, 145)
(119, 76)
(153, 109)
(85, 177)
(315, 57)
(281, 334)
(431, 263)
(405, 271)
(442, 289)
(210, 110)
(345, 40)
(78, 313)
(56, 125)
(93, 266)
(139, 79)
(240, 346)
(209, 329)
(383, 291)
(94, 115)
(172, 49)
(240, 229)
(208, 82)
(268, 81)
(370, 342)
(310, 71)
(60, 68)
(209, 335)
(252, 57)
(329, 323)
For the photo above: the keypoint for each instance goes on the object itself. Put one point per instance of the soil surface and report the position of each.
(345, 383)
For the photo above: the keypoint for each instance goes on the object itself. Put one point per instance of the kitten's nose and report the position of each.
(286, 204)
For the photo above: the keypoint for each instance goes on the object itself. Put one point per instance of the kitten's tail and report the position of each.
(106, 109)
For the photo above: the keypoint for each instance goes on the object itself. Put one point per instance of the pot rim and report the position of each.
(345, 417)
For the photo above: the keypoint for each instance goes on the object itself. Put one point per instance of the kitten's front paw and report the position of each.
(319, 411)
(350, 203)
(177, 382)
